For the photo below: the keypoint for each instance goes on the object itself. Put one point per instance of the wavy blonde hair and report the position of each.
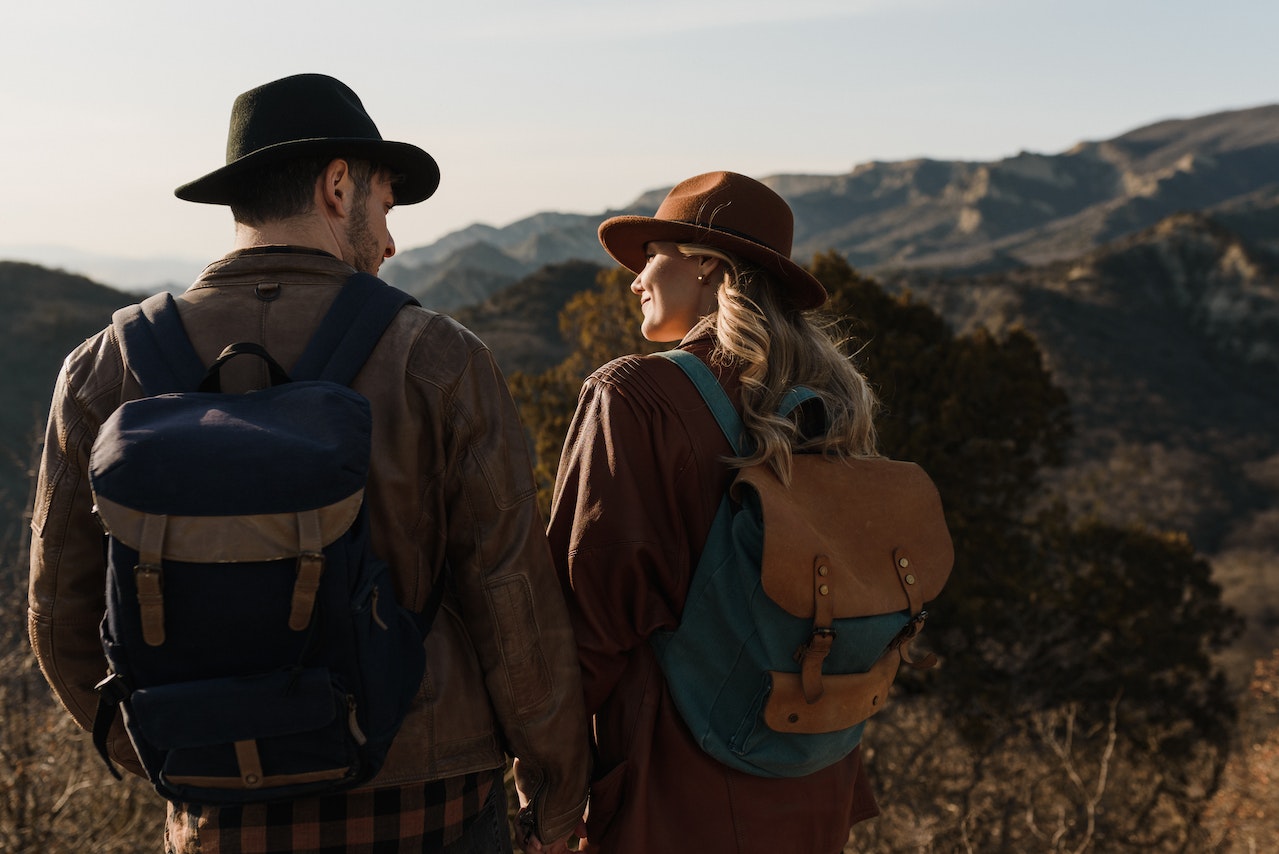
(776, 348)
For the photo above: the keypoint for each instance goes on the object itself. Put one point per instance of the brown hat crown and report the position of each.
(728, 211)
(308, 115)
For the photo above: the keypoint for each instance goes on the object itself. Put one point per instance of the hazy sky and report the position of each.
(580, 106)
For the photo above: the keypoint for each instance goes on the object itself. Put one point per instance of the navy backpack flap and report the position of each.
(254, 640)
(803, 603)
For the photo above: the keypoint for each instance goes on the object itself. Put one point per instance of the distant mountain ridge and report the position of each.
(956, 215)
(137, 275)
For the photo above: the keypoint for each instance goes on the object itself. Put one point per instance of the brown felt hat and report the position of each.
(308, 115)
(725, 210)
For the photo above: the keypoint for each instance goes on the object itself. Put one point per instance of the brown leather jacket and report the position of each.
(639, 483)
(450, 479)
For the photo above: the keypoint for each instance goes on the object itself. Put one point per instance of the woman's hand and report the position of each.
(530, 844)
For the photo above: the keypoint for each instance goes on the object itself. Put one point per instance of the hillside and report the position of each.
(1167, 343)
(1020, 211)
(521, 323)
(45, 314)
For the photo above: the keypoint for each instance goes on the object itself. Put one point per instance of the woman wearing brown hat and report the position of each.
(644, 468)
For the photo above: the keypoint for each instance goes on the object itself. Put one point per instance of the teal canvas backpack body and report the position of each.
(803, 603)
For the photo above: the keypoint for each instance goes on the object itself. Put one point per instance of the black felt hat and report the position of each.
(308, 115)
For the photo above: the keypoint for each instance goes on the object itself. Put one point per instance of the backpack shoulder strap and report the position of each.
(712, 393)
(155, 346)
(350, 330)
(717, 399)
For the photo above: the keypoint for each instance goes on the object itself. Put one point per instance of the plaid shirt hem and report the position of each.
(420, 817)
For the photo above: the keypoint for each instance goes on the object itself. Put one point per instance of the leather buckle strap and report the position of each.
(310, 568)
(250, 764)
(812, 653)
(305, 587)
(810, 657)
(148, 578)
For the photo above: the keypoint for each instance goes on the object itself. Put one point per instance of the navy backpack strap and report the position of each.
(717, 399)
(340, 346)
(350, 330)
(155, 346)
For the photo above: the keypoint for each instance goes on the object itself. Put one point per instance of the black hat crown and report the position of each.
(308, 115)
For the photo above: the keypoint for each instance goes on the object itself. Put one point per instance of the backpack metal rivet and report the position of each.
(874, 701)
(823, 570)
(793, 718)
(823, 590)
(903, 562)
(910, 579)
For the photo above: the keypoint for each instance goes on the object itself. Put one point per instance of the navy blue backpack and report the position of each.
(803, 602)
(254, 640)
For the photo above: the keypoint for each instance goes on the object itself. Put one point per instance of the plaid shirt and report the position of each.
(420, 817)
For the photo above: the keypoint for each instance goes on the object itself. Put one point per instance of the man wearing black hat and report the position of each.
(310, 181)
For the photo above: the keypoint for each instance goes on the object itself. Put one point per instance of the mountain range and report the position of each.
(933, 214)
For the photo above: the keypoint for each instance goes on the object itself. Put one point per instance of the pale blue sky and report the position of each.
(572, 105)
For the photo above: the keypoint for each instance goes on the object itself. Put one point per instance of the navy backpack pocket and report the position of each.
(288, 732)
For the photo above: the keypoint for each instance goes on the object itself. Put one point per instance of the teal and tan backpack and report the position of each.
(803, 603)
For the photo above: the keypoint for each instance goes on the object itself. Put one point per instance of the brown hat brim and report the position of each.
(420, 175)
(624, 238)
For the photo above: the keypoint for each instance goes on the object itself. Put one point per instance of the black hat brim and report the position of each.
(419, 174)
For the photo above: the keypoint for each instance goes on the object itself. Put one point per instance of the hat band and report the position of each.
(725, 230)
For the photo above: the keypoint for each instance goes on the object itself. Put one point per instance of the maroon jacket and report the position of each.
(640, 480)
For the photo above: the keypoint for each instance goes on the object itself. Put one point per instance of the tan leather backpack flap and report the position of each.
(875, 525)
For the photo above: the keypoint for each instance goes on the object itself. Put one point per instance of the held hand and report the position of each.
(530, 844)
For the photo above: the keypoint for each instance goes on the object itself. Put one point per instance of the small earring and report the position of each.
(699, 278)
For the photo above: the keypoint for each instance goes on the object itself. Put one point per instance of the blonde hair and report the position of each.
(776, 348)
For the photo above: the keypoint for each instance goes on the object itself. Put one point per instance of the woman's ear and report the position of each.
(707, 266)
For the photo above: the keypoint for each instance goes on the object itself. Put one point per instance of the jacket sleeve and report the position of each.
(511, 602)
(627, 519)
(67, 597)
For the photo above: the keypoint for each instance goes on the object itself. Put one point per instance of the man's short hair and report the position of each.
(284, 190)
